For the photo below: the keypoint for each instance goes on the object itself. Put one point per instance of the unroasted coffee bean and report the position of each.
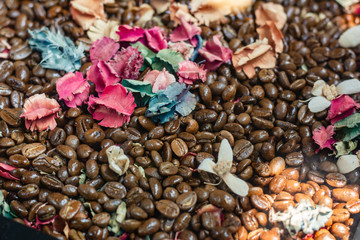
(336, 179)
(167, 208)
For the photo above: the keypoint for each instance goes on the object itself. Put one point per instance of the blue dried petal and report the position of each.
(199, 45)
(58, 52)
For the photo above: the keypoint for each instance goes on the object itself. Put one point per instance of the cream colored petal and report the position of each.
(118, 161)
(146, 13)
(349, 86)
(317, 88)
(225, 156)
(318, 104)
(236, 184)
(350, 38)
(207, 165)
(348, 163)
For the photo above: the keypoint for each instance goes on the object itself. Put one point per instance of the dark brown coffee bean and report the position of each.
(87, 192)
(336, 180)
(242, 149)
(57, 200)
(167, 208)
(52, 182)
(101, 219)
(294, 159)
(179, 147)
(156, 188)
(222, 199)
(28, 191)
(115, 190)
(70, 209)
(150, 226)
(186, 200)
(18, 209)
(33, 150)
(46, 213)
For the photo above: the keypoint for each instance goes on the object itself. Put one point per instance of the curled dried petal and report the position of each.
(273, 35)
(189, 72)
(103, 29)
(215, 53)
(118, 161)
(146, 13)
(85, 12)
(103, 49)
(317, 88)
(324, 137)
(160, 5)
(236, 184)
(318, 104)
(178, 11)
(271, 12)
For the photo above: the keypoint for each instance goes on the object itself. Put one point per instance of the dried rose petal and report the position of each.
(73, 89)
(184, 48)
(324, 137)
(102, 75)
(113, 107)
(270, 12)
(159, 79)
(257, 54)
(341, 107)
(178, 11)
(103, 49)
(215, 53)
(130, 34)
(156, 39)
(185, 31)
(189, 72)
(273, 35)
(5, 171)
(40, 112)
(85, 12)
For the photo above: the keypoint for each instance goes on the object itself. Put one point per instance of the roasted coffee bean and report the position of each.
(28, 191)
(88, 192)
(294, 159)
(222, 199)
(115, 190)
(167, 208)
(33, 150)
(344, 194)
(150, 226)
(336, 180)
(186, 200)
(179, 147)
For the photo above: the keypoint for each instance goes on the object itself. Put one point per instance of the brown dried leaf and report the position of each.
(85, 12)
(270, 12)
(178, 11)
(273, 35)
(160, 5)
(258, 54)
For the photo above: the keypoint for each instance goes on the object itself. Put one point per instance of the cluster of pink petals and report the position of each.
(5, 53)
(189, 72)
(215, 53)
(341, 107)
(73, 89)
(185, 31)
(103, 49)
(5, 170)
(182, 47)
(154, 38)
(159, 79)
(125, 64)
(113, 107)
(40, 112)
(324, 137)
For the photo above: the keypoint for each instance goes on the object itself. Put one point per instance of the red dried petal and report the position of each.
(341, 107)
(102, 75)
(324, 137)
(215, 53)
(73, 89)
(5, 53)
(185, 31)
(5, 171)
(130, 34)
(113, 107)
(103, 49)
(156, 39)
(189, 72)
(159, 79)
(40, 112)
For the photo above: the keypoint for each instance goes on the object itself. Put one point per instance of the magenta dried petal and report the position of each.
(324, 137)
(189, 72)
(102, 75)
(215, 53)
(127, 63)
(103, 49)
(130, 34)
(185, 31)
(156, 39)
(341, 106)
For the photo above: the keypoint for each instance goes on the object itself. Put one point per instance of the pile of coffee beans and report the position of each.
(65, 171)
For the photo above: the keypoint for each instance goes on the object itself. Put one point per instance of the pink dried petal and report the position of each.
(102, 75)
(40, 112)
(185, 49)
(124, 236)
(324, 137)
(127, 63)
(103, 49)
(38, 222)
(207, 208)
(156, 39)
(189, 72)
(215, 53)
(5, 54)
(5, 171)
(73, 89)
(159, 79)
(185, 31)
(130, 34)
(113, 107)
(341, 107)
(30, 224)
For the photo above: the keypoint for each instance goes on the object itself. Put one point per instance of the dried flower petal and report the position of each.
(271, 12)
(348, 163)
(146, 13)
(156, 39)
(330, 92)
(273, 35)
(350, 86)
(189, 72)
(85, 12)
(40, 112)
(73, 89)
(5, 53)
(317, 88)
(236, 184)
(159, 79)
(178, 11)
(225, 158)
(5, 171)
(347, 3)
(258, 54)
(185, 31)
(130, 34)
(102, 75)
(341, 107)
(207, 165)
(103, 29)
(184, 48)
(160, 5)
(318, 104)
(324, 137)
(118, 161)
(215, 53)
(113, 107)
(103, 49)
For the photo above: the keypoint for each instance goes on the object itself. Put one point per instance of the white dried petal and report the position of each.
(118, 161)
(318, 104)
(101, 29)
(225, 158)
(207, 165)
(237, 185)
(348, 163)
(347, 3)
(350, 38)
(350, 86)
(317, 89)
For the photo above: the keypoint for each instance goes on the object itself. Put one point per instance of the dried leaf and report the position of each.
(345, 148)
(270, 12)
(160, 5)
(167, 59)
(101, 29)
(117, 218)
(118, 161)
(349, 122)
(145, 52)
(347, 163)
(258, 54)
(273, 35)
(85, 12)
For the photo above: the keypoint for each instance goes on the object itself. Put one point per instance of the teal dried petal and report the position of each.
(58, 52)
(148, 55)
(142, 91)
